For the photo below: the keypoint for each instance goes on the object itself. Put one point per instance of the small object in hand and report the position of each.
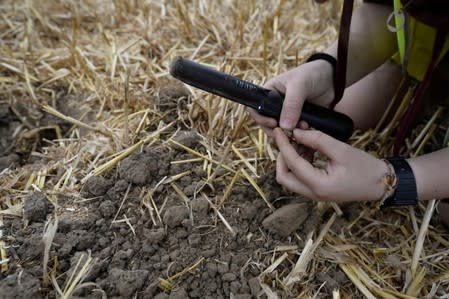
(289, 134)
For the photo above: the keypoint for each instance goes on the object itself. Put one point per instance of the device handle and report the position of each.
(333, 123)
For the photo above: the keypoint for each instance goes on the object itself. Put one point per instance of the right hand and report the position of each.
(312, 81)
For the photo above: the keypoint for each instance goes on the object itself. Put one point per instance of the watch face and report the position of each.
(405, 193)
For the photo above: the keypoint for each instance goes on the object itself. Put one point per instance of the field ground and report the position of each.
(117, 181)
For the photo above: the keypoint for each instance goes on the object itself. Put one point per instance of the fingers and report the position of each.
(307, 153)
(303, 125)
(303, 151)
(268, 131)
(288, 179)
(293, 101)
(262, 120)
(331, 147)
(302, 169)
(291, 109)
(275, 84)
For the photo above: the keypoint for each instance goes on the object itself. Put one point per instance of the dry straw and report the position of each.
(113, 57)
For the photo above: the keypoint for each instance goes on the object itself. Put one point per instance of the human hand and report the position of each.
(350, 175)
(312, 81)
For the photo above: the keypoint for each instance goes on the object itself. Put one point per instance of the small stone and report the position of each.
(287, 219)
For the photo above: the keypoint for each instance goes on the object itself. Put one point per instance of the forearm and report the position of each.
(432, 174)
(366, 100)
(370, 41)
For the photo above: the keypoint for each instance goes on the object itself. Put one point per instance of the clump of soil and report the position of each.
(23, 127)
(36, 207)
(8, 125)
(21, 285)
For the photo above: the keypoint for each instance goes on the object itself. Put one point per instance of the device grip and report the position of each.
(333, 123)
(266, 102)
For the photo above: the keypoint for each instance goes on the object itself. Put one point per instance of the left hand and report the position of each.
(350, 175)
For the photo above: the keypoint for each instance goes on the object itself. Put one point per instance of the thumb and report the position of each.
(291, 109)
(319, 141)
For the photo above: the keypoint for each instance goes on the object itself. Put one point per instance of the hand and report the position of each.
(312, 81)
(350, 175)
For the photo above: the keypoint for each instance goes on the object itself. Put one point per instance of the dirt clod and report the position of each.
(175, 215)
(107, 209)
(131, 281)
(188, 138)
(96, 186)
(178, 294)
(9, 161)
(36, 207)
(139, 168)
(287, 219)
(200, 207)
(20, 285)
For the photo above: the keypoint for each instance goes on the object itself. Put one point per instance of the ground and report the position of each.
(117, 181)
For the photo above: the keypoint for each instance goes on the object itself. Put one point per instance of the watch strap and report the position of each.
(406, 192)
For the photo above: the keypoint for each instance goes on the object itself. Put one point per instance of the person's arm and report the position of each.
(370, 41)
(351, 174)
(367, 100)
(431, 174)
(370, 45)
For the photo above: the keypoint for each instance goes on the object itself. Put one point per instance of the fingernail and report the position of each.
(286, 124)
(297, 132)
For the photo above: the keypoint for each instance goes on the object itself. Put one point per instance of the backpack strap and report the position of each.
(342, 52)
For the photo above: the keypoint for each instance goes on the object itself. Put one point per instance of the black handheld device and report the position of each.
(266, 102)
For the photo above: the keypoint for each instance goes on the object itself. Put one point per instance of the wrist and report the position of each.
(417, 173)
(321, 77)
(326, 64)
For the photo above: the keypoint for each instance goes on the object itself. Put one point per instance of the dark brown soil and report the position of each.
(133, 249)
(145, 239)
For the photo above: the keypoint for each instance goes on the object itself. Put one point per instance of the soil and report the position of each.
(130, 258)
(185, 251)
(25, 128)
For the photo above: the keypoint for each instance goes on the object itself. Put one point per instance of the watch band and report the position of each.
(405, 193)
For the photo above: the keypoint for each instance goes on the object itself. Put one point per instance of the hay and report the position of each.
(114, 57)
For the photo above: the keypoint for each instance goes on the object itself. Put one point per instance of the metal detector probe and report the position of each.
(266, 102)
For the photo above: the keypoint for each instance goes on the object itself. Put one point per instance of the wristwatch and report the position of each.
(405, 193)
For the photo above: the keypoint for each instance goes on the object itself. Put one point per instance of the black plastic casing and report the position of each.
(266, 102)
